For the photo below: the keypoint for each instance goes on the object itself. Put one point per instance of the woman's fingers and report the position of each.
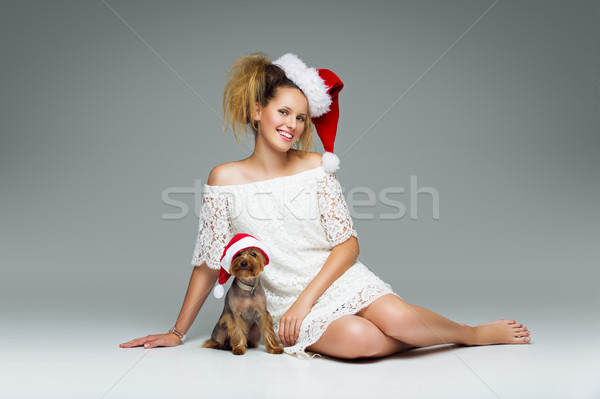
(286, 330)
(135, 342)
(282, 332)
(141, 341)
(298, 324)
(291, 331)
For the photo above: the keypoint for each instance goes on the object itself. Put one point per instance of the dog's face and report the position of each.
(248, 263)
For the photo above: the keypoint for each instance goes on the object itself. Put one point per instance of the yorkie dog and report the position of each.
(245, 315)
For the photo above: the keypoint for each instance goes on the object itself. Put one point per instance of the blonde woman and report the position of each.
(322, 299)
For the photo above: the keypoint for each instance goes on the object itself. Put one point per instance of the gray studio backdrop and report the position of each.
(108, 108)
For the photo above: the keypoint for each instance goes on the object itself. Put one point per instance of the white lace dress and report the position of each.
(301, 218)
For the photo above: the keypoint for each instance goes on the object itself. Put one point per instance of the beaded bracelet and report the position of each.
(178, 332)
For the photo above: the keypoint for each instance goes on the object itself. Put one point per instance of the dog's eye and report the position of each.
(253, 254)
(237, 255)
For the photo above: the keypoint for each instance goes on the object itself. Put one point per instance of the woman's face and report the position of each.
(284, 116)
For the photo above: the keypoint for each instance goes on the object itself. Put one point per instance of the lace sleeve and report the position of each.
(335, 216)
(214, 231)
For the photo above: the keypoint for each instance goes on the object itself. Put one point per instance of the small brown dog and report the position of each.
(245, 315)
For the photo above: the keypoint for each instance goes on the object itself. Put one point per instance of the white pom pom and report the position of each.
(219, 291)
(330, 162)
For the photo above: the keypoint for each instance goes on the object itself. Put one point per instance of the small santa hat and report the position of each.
(321, 87)
(238, 243)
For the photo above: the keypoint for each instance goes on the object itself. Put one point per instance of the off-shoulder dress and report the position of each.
(301, 218)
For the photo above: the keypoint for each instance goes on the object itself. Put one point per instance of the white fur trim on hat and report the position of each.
(309, 81)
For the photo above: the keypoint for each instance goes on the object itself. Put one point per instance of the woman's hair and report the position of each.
(253, 79)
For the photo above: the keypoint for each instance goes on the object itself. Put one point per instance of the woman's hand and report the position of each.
(289, 326)
(151, 341)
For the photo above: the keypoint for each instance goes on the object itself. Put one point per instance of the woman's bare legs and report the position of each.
(390, 325)
(421, 327)
(352, 336)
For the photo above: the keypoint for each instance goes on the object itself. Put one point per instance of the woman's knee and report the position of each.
(393, 316)
(365, 338)
(350, 337)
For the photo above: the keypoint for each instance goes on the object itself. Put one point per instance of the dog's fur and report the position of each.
(244, 316)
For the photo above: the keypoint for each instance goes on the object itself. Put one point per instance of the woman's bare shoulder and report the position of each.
(310, 161)
(223, 174)
(230, 173)
(315, 159)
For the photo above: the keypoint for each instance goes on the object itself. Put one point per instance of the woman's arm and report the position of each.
(341, 258)
(208, 246)
(203, 277)
(201, 283)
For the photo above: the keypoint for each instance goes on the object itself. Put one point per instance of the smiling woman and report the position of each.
(321, 298)
(283, 122)
(253, 81)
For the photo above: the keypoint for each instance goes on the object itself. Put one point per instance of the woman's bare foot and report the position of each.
(501, 332)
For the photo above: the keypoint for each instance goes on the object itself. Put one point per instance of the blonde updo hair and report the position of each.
(253, 79)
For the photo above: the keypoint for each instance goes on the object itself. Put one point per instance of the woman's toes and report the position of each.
(521, 340)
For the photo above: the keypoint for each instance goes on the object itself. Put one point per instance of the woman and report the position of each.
(321, 298)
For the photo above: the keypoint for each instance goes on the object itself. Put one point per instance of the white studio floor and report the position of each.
(74, 354)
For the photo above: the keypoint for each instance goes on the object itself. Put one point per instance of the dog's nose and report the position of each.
(244, 264)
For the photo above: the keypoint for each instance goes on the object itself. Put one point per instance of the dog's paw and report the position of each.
(240, 350)
(276, 350)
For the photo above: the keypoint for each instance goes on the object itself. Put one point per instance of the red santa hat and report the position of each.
(321, 87)
(238, 243)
